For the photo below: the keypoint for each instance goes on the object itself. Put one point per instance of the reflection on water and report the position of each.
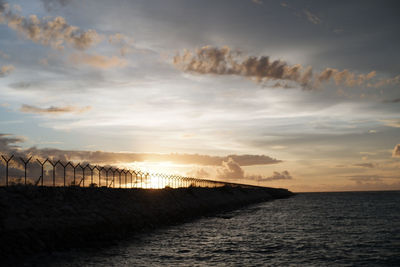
(309, 229)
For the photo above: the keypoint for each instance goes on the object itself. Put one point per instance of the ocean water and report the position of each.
(313, 229)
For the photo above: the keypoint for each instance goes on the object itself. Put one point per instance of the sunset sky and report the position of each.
(303, 95)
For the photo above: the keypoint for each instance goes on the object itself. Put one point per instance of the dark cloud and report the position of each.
(396, 100)
(396, 151)
(20, 85)
(3, 5)
(55, 33)
(9, 143)
(224, 61)
(53, 110)
(9, 146)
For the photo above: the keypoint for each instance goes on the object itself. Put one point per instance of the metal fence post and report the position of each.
(91, 174)
(25, 162)
(54, 171)
(130, 173)
(42, 165)
(7, 162)
(99, 169)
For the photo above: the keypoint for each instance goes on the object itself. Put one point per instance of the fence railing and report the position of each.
(50, 172)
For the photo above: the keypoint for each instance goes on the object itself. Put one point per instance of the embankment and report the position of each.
(37, 219)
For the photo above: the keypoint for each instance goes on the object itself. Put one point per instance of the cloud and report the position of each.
(6, 70)
(362, 179)
(338, 31)
(9, 143)
(392, 123)
(55, 33)
(101, 157)
(98, 61)
(344, 77)
(278, 147)
(224, 61)
(258, 2)
(51, 4)
(226, 168)
(396, 151)
(199, 173)
(312, 17)
(396, 100)
(248, 160)
(124, 42)
(365, 165)
(43, 61)
(20, 85)
(384, 82)
(230, 169)
(53, 110)
(4, 55)
(285, 175)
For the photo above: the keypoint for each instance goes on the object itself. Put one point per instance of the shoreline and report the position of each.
(46, 219)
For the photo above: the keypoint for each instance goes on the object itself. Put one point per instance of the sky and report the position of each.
(303, 95)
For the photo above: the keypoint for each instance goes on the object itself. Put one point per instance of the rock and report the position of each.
(35, 219)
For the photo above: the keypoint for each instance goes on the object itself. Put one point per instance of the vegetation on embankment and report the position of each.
(34, 219)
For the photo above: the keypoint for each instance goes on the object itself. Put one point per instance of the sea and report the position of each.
(309, 229)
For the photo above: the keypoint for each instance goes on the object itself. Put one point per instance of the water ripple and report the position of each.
(320, 229)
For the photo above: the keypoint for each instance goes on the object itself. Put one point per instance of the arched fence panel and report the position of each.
(38, 171)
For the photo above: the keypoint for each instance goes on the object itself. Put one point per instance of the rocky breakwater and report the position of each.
(38, 219)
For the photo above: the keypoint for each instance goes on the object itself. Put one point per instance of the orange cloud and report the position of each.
(6, 70)
(396, 151)
(55, 33)
(53, 110)
(392, 123)
(224, 61)
(98, 61)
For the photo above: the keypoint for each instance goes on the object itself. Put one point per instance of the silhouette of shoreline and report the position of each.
(45, 219)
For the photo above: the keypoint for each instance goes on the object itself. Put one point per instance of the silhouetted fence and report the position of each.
(48, 172)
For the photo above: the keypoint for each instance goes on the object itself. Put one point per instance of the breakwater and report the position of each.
(38, 219)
